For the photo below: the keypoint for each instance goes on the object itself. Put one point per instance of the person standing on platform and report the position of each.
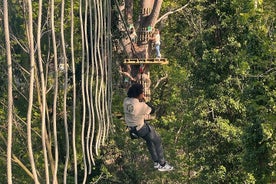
(157, 43)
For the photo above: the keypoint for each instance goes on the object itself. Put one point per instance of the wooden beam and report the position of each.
(137, 61)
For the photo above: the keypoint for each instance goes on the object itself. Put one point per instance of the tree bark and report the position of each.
(141, 47)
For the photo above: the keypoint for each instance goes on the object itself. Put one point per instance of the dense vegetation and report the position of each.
(216, 110)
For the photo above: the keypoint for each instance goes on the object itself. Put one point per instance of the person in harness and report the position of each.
(135, 110)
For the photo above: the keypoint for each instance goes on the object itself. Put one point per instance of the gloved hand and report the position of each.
(151, 106)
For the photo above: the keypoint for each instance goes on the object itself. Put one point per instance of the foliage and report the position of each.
(215, 109)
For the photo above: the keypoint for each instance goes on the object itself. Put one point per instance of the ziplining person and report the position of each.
(135, 110)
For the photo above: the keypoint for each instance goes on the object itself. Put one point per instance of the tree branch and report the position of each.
(16, 160)
(171, 12)
(127, 75)
(160, 80)
(269, 71)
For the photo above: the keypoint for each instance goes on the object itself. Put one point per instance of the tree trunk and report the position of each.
(140, 47)
(149, 13)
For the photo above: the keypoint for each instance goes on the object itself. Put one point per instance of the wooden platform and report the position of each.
(137, 61)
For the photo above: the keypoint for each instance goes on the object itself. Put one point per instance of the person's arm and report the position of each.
(152, 37)
(151, 106)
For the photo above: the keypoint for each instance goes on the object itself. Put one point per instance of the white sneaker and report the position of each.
(156, 165)
(166, 167)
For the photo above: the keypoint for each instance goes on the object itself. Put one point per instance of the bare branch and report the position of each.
(271, 70)
(160, 80)
(127, 75)
(24, 47)
(16, 160)
(171, 12)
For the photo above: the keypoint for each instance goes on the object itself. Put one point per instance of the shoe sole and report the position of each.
(165, 170)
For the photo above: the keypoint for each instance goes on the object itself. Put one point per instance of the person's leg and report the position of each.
(157, 48)
(155, 147)
(152, 149)
(144, 132)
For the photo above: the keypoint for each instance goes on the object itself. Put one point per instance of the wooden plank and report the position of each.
(137, 61)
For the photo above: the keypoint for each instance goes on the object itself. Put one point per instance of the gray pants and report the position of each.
(154, 143)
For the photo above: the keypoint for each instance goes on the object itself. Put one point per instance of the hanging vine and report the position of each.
(61, 120)
(30, 38)
(10, 94)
